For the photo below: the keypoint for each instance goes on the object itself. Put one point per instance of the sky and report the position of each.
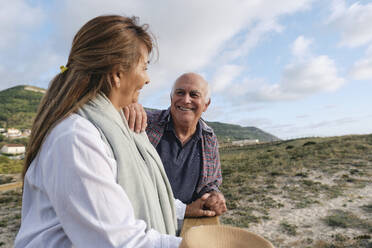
(291, 68)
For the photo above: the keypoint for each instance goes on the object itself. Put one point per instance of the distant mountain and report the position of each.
(229, 132)
(18, 106)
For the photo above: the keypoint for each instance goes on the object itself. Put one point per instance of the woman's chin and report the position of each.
(135, 99)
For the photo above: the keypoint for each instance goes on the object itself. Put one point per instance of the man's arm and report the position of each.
(211, 173)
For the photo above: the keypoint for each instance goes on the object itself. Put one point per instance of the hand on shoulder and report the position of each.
(136, 117)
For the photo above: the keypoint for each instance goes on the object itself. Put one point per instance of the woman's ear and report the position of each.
(116, 78)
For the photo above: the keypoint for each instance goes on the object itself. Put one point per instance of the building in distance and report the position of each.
(13, 149)
(245, 142)
(13, 133)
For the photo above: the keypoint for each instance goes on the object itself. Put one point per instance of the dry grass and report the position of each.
(10, 216)
(287, 190)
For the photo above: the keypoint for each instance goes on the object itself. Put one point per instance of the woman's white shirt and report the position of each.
(71, 198)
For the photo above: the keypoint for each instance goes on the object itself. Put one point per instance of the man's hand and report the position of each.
(136, 117)
(197, 209)
(216, 202)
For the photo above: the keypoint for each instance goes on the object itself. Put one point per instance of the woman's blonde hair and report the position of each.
(103, 44)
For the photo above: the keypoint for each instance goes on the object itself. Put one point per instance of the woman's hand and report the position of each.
(136, 117)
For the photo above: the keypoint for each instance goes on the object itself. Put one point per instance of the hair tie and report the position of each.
(63, 68)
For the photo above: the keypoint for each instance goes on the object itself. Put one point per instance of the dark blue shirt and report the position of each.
(182, 164)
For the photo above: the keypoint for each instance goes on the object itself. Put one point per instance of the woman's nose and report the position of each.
(147, 79)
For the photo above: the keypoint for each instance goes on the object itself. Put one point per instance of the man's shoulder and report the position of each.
(156, 114)
(157, 117)
(156, 122)
(206, 128)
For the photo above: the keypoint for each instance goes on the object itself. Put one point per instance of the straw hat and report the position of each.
(220, 236)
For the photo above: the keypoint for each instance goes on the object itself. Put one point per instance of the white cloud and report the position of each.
(190, 39)
(252, 38)
(224, 77)
(301, 78)
(362, 69)
(190, 34)
(353, 22)
(331, 123)
(256, 122)
(300, 47)
(245, 90)
(369, 51)
(17, 19)
(33, 69)
(317, 74)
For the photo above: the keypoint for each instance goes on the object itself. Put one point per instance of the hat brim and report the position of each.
(220, 236)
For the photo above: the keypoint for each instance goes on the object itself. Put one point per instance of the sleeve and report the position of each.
(213, 169)
(93, 209)
(180, 209)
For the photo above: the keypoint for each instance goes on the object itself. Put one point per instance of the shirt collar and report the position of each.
(198, 132)
(203, 127)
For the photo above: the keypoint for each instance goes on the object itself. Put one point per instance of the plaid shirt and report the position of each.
(210, 177)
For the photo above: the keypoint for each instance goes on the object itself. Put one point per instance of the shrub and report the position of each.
(309, 143)
(287, 228)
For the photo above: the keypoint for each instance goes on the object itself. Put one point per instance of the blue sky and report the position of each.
(292, 68)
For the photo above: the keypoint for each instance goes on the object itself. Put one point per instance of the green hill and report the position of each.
(18, 106)
(229, 132)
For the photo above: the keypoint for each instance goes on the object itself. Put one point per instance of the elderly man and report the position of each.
(188, 147)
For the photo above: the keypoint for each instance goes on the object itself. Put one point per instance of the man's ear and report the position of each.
(207, 105)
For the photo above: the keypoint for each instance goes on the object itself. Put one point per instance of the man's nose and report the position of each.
(187, 98)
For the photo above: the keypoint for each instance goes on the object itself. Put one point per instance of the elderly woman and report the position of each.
(88, 180)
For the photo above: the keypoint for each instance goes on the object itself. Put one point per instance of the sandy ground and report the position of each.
(10, 216)
(310, 227)
(10, 186)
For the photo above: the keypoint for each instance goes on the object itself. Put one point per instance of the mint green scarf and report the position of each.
(140, 170)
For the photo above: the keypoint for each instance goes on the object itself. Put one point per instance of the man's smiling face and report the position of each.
(188, 100)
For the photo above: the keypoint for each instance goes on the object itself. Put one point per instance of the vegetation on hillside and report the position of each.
(297, 174)
(243, 167)
(9, 166)
(18, 107)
